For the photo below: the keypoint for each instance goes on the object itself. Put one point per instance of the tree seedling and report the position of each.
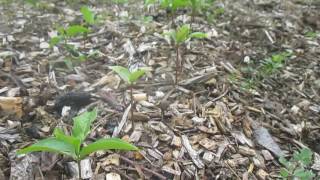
(171, 5)
(72, 145)
(296, 167)
(180, 36)
(130, 78)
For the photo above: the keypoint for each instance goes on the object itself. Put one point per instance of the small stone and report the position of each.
(113, 176)
(261, 174)
(112, 159)
(44, 45)
(208, 156)
(198, 120)
(176, 141)
(246, 151)
(208, 144)
(295, 109)
(164, 137)
(267, 155)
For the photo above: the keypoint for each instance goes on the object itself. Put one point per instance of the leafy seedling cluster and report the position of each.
(297, 167)
(179, 36)
(73, 31)
(130, 78)
(256, 74)
(72, 145)
(197, 7)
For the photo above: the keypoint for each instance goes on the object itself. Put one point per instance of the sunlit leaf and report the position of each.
(304, 156)
(50, 145)
(198, 35)
(87, 14)
(76, 30)
(134, 76)
(182, 33)
(123, 72)
(55, 40)
(284, 173)
(82, 123)
(75, 142)
(107, 144)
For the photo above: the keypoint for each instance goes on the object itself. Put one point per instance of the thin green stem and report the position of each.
(131, 99)
(79, 168)
(177, 63)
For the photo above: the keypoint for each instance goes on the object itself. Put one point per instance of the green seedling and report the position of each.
(72, 145)
(297, 166)
(196, 7)
(180, 36)
(311, 34)
(130, 78)
(170, 5)
(88, 15)
(274, 63)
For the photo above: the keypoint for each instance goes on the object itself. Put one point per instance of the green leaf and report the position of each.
(50, 145)
(198, 35)
(148, 2)
(107, 144)
(283, 161)
(88, 15)
(134, 76)
(304, 156)
(179, 4)
(123, 72)
(182, 34)
(75, 142)
(284, 172)
(75, 30)
(82, 123)
(55, 40)
(303, 174)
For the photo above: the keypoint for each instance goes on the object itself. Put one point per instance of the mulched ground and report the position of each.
(224, 120)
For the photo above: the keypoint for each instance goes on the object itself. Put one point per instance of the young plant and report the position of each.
(171, 5)
(180, 36)
(296, 167)
(130, 78)
(72, 145)
(196, 6)
(274, 63)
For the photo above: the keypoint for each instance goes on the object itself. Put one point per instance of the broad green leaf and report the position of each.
(283, 161)
(88, 15)
(107, 144)
(303, 174)
(134, 76)
(61, 31)
(123, 72)
(50, 145)
(304, 156)
(179, 4)
(82, 123)
(198, 35)
(284, 172)
(32, 2)
(55, 40)
(148, 2)
(182, 34)
(171, 34)
(165, 4)
(76, 30)
(75, 142)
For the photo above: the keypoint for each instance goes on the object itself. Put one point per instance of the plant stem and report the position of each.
(131, 99)
(172, 18)
(177, 63)
(79, 168)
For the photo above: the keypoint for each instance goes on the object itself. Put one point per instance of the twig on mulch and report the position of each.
(143, 168)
